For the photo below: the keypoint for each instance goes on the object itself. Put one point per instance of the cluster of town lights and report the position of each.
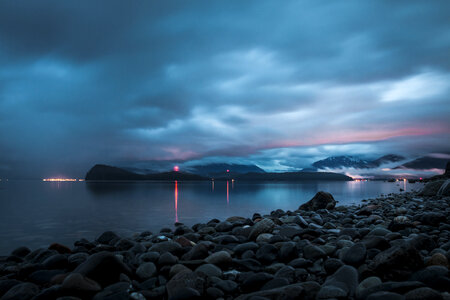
(62, 179)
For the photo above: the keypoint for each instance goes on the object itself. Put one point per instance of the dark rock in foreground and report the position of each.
(395, 247)
(322, 200)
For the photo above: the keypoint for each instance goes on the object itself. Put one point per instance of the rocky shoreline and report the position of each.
(394, 247)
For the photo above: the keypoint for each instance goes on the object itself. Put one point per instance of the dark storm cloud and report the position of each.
(256, 81)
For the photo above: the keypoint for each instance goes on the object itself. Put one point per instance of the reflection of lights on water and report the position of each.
(62, 179)
(228, 192)
(176, 201)
(212, 185)
(232, 184)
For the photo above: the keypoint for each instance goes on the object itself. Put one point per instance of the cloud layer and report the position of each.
(277, 85)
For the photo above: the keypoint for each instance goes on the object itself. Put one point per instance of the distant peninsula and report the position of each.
(109, 173)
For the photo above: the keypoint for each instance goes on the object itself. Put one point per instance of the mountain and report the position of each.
(213, 170)
(425, 163)
(337, 162)
(390, 158)
(291, 176)
(104, 172)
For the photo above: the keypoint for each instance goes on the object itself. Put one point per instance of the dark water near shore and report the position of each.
(36, 213)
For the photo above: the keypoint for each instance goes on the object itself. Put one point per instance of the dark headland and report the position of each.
(104, 173)
(392, 247)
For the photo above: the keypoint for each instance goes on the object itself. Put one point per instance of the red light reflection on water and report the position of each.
(228, 192)
(176, 201)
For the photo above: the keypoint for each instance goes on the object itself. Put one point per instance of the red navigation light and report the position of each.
(176, 168)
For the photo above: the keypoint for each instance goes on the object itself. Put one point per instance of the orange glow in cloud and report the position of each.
(355, 136)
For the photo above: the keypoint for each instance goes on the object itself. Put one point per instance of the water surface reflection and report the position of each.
(37, 213)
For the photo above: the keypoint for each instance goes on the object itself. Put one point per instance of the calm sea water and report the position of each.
(36, 213)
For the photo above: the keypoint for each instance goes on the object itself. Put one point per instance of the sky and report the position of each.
(164, 82)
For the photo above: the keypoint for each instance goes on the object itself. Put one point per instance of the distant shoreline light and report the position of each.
(62, 179)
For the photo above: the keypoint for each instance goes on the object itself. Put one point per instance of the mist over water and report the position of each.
(36, 213)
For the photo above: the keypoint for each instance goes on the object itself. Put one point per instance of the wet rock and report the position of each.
(286, 272)
(423, 293)
(228, 286)
(53, 292)
(21, 251)
(432, 218)
(313, 252)
(78, 283)
(104, 268)
(263, 226)
(176, 269)
(107, 236)
(167, 246)
(22, 291)
(77, 259)
(146, 270)
(438, 259)
(290, 231)
(294, 291)
(264, 238)
(58, 261)
(355, 255)
(184, 293)
(376, 242)
(341, 284)
(214, 293)
(383, 295)
(267, 253)
(366, 284)
(224, 226)
(220, 258)
(444, 190)
(432, 188)
(397, 262)
(379, 231)
(149, 257)
(322, 200)
(6, 284)
(184, 279)
(331, 265)
(288, 252)
(435, 277)
(124, 244)
(117, 291)
(275, 283)
(167, 259)
(209, 270)
(255, 282)
(42, 277)
(60, 248)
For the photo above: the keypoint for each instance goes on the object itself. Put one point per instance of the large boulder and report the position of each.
(444, 190)
(432, 188)
(322, 200)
